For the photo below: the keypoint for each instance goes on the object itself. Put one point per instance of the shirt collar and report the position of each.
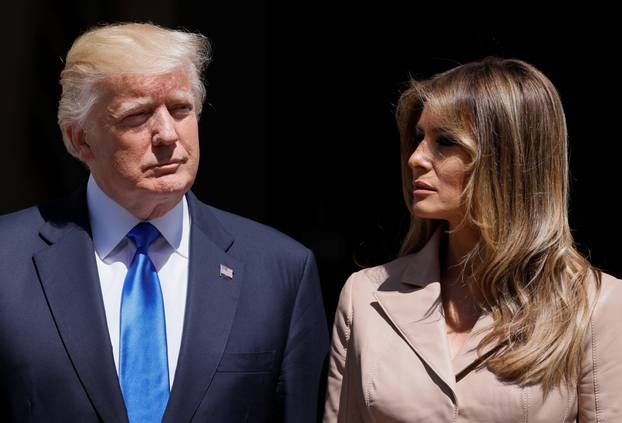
(110, 222)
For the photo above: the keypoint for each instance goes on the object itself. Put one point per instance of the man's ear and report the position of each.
(78, 139)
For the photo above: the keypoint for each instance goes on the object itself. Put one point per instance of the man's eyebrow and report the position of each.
(122, 108)
(129, 105)
(181, 95)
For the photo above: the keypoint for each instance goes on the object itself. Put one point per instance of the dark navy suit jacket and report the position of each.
(252, 349)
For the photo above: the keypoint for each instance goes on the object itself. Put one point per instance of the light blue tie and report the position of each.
(143, 364)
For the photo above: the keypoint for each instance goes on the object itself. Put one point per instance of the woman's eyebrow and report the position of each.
(436, 130)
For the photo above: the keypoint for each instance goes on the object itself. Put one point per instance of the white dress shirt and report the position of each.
(110, 224)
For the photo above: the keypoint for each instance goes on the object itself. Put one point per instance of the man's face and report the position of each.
(142, 140)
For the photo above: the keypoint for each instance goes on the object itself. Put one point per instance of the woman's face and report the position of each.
(439, 170)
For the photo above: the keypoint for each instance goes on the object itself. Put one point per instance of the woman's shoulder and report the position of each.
(372, 278)
(610, 282)
(606, 309)
(608, 303)
(601, 369)
(361, 287)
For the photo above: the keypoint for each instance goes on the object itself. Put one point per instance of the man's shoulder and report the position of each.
(261, 238)
(19, 235)
(26, 220)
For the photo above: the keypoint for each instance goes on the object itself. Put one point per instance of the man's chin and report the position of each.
(169, 185)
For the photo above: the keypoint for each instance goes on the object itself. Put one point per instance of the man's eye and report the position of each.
(181, 110)
(446, 141)
(136, 119)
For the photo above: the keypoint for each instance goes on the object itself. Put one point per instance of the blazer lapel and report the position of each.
(210, 309)
(469, 357)
(415, 310)
(417, 318)
(68, 274)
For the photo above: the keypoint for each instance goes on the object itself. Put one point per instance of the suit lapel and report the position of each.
(68, 274)
(210, 309)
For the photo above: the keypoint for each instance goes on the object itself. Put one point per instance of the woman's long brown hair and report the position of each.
(525, 267)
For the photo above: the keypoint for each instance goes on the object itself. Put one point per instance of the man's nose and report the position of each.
(164, 129)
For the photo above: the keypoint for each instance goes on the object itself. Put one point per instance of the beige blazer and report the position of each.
(390, 360)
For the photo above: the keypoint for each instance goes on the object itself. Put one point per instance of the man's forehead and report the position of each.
(136, 86)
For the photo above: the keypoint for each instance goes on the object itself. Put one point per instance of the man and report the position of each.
(132, 300)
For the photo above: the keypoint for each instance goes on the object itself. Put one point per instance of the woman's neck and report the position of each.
(461, 308)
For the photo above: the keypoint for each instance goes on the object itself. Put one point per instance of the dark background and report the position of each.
(299, 130)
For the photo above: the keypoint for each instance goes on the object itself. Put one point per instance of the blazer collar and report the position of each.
(65, 215)
(413, 305)
(424, 266)
(203, 218)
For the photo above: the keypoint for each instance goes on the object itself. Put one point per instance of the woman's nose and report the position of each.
(420, 157)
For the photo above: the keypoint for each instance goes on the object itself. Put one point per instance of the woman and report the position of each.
(491, 314)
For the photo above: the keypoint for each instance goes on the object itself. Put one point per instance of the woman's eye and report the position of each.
(418, 137)
(446, 141)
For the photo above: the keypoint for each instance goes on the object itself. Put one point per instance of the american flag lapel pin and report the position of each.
(226, 271)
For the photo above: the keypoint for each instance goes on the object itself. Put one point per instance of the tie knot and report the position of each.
(143, 235)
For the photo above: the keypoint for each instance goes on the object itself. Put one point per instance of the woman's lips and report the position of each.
(421, 188)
